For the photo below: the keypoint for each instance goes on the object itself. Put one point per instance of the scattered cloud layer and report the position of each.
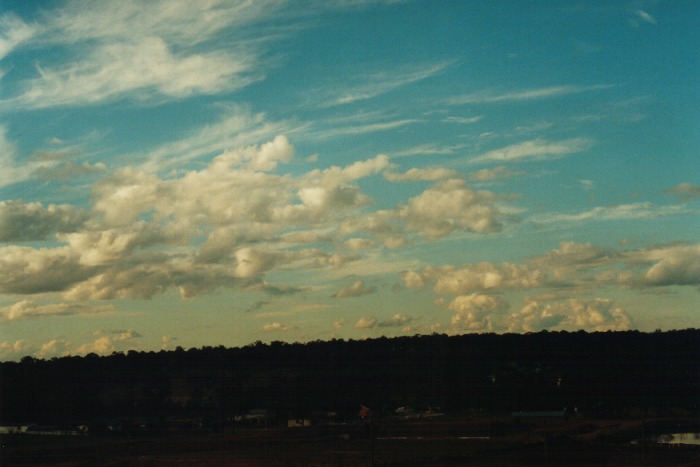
(220, 152)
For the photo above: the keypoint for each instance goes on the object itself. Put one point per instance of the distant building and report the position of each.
(298, 422)
(541, 414)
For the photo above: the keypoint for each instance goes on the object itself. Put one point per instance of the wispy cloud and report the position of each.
(641, 16)
(237, 126)
(427, 149)
(684, 192)
(354, 130)
(463, 120)
(28, 309)
(489, 97)
(534, 150)
(13, 31)
(160, 50)
(381, 83)
(624, 211)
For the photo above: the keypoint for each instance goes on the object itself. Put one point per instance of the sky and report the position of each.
(178, 173)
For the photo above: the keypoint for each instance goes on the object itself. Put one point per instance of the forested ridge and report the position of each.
(599, 373)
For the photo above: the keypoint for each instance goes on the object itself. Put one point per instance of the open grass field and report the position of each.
(489, 441)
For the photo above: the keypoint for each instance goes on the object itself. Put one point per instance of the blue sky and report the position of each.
(222, 172)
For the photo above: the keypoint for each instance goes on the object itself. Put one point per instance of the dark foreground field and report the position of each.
(483, 440)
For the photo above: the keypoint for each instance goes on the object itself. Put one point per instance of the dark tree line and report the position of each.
(598, 373)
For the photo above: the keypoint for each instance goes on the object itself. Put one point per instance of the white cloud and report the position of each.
(278, 327)
(259, 159)
(427, 149)
(475, 312)
(28, 309)
(105, 246)
(236, 127)
(492, 97)
(354, 290)
(415, 174)
(12, 351)
(339, 324)
(252, 262)
(676, 265)
(574, 314)
(130, 49)
(10, 171)
(106, 344)
(20, 221)
(359, 244)
(398, 320)
(381, 83)
(354, 130)
(449, 206)
(483, 276)
(13, 31)
(643, 210)
(54, 348)
(366, 322)
(684, 192)
(141, 69)
(495, 173)
(644, 17)
(68, 171)
(27, 270)
(166, 342)
(463, 120)
(536, 149)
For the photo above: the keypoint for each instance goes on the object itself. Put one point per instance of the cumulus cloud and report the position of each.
(20, 221)
(28, 270)
(475, 312)
(166, 342)
(99, 247)
(355, 290)
(678, 265)
(269, 327)
(482, 276)
(571, 265)
(398, 320)
(10, 350)
(449, 206)
(574, 314)
(366, 322)
(338, 323)
(260, 159)
(54, 348)
(252, 262)
(236, 127)
(108, 343)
